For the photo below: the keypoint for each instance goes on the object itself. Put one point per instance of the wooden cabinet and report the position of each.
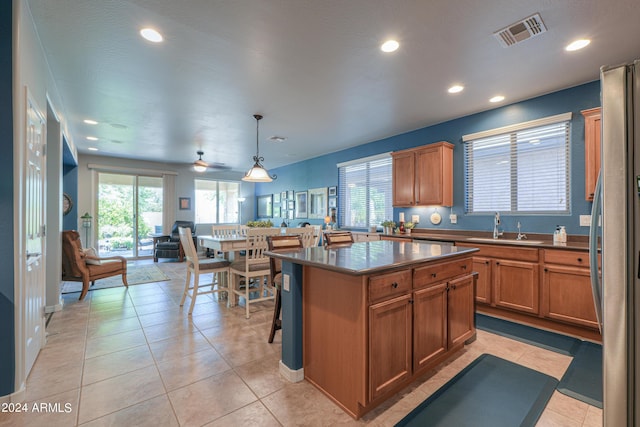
(592, 122)
(566, 288)
(423, 176)
(508, 277)
(410, 332)
(482, 265)
(515, 285)
(389, 344)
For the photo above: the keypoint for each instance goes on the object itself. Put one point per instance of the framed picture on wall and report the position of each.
(283, 195)
(276, 211)
(276, 198)
(291, 204)
(290, 195)
(289, 214)
(333, 202)
(333, 191)
(184, 203)
(301, 204)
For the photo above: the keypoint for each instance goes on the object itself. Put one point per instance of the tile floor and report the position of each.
(135, 358)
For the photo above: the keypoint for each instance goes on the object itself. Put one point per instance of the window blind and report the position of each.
(364, 192)
(524, 171)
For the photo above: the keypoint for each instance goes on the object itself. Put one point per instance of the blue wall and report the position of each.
(322, 171)
(70, 186)
(7, 297)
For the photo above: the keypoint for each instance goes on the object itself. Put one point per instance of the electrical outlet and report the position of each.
(415, 219)
(285, 282)
(453, 218)
(585, 220)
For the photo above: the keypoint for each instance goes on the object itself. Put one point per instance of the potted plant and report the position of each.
(408, 226)
(388, 226)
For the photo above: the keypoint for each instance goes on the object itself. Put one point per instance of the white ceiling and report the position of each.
(312, 68)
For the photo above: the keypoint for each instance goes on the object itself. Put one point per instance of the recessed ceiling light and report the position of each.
(577, 45)
(90, 122)
(92, 149)
(455, 89)
(92, 138)
(389, 46)
(497, 98)
(151, 35)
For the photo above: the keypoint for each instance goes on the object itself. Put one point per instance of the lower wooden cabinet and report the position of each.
(482, 265)
(515, 285)
(460, 310)
(389, 344)
(430, 312)
(566, 288)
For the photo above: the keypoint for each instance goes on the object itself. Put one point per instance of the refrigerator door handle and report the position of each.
(596, 285)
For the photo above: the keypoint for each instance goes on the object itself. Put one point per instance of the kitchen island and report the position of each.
(362, 321)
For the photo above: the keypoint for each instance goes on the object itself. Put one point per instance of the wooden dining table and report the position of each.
(228, 245)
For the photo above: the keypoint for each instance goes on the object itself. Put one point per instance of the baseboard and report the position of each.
(52, 308)
(14, 397)
(294, 376)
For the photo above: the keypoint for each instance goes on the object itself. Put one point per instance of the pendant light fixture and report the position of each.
(200, 165)
(258, 173)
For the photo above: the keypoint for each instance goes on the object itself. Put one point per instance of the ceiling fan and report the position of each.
(202, 166)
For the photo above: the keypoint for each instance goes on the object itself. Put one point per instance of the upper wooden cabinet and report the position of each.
(423, 176)
(592, 120)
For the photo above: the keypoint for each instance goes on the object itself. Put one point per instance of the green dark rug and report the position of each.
(559, 343)
(136, 274)
(489, 392)
(583, 378)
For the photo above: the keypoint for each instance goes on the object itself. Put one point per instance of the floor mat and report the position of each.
(559, 343)
(489, 392)
(136, 274)
(583, 378)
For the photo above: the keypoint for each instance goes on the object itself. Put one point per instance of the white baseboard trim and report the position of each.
(15, 397)
(52, 308)
(291, 375)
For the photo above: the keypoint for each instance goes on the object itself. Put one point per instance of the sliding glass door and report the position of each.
(129, 210)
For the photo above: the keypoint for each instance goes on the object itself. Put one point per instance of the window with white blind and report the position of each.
(523, 168)
(364, 196)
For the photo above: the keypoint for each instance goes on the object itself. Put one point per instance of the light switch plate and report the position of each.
(453, 218)
(415, 219)
(285, 282)
(585, 220)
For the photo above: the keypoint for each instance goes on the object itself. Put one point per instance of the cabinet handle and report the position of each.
(464, 267)
(394, 285)
(433, 275)
(453, 287)
(497, 262)
(579, 259)
(486, 263)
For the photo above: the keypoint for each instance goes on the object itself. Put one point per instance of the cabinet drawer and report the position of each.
(436, 273)
(503, 251)
(389, 285)
(562, 257)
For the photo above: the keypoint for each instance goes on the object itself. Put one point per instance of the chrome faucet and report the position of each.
(520, 236)
(496, 224)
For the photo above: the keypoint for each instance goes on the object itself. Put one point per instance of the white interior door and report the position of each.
(34, 289)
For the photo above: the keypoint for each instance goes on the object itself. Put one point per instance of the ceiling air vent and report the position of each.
(520, 31)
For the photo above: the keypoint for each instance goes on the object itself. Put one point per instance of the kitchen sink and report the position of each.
(507, 241)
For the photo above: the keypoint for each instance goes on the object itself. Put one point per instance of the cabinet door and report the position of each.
(592, 122)
(461, 310)
(566, 295)
(403, 179)
(482, 265)
(430, 324)
(389, 344)
(515, 285)
(434, 176)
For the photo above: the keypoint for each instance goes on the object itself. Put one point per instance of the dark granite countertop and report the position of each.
(542, 241)
(371, 257)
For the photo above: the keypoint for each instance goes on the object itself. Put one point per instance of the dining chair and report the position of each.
(338, 238)
(218, 267)
(279, 243)
(254, 267)
(305, 233)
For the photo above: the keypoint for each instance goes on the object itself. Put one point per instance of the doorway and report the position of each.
(129, 211)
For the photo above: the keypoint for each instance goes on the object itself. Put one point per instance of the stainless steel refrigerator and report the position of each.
(617, 296)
